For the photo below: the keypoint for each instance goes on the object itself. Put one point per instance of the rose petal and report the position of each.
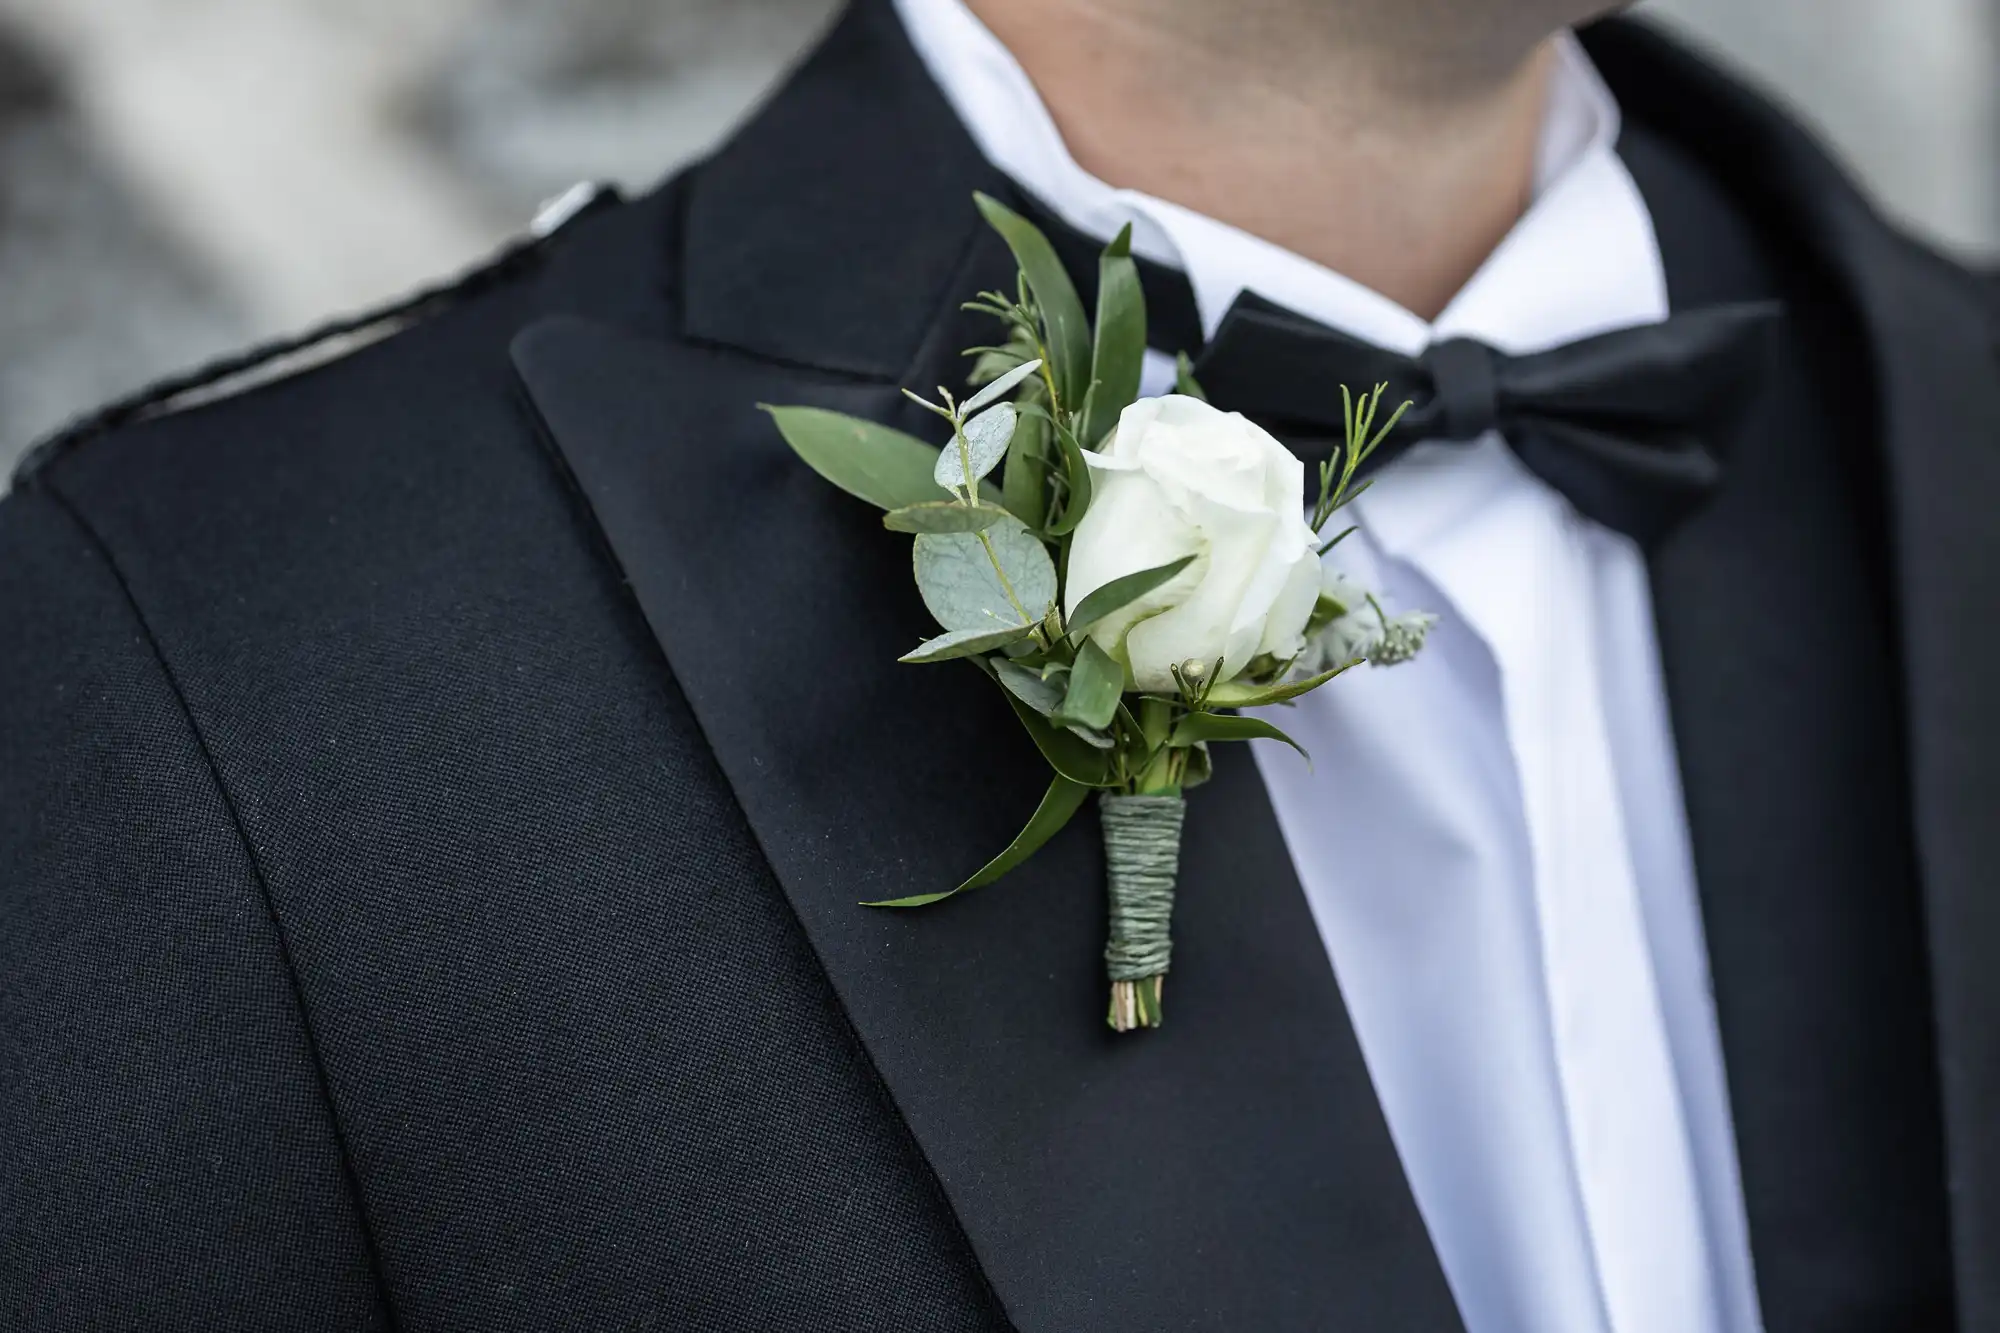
(1179, 477)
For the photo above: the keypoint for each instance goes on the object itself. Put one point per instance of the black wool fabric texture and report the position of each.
(389, 937)
(1815, 926)
(166, 1151)
(585, 1070)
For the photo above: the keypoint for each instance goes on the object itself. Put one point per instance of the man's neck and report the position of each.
(1402, 174)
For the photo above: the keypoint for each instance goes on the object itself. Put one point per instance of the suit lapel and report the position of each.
(1231, 1171)
(1787, 809)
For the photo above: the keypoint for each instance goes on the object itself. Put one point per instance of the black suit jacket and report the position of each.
(436, 788)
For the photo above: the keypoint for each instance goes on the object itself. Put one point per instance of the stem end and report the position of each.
(1136, 1004)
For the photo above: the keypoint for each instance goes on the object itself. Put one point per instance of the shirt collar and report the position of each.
(1582, 260)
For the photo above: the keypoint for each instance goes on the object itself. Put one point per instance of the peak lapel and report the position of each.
(1230, 1171)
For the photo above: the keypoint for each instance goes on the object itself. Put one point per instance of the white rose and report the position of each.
(1179, 478)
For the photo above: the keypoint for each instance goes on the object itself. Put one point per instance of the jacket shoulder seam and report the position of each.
(282, 358)
(260, 880)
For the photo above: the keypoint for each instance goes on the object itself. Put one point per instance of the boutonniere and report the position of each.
(1143, 570)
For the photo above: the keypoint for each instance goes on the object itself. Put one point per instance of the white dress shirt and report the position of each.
(1493, 840)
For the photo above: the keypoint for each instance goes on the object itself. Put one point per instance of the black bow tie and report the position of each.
(1633, 426)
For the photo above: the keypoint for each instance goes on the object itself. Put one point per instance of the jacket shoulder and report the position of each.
(315, 513)
(1776, 169)
(146, 1015)
(485, 294)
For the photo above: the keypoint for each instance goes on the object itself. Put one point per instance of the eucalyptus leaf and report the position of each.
(1071, 756)
(1251, 696)
(1066, 331)
(1096, 740)
(1059, 805)
(1120, 593)
(1120, 351)
(1000, 388)
(1030, 686)
(1096, 683)
(1198, 727)
(966, 643)
(869, 461)
(943, 516)
(986, 580)
(986, 439)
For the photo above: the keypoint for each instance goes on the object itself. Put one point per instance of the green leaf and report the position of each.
(1250, 696)
(943, 516)
(885, 467)
(1120, 593)
(1078, 474)
(990, 363)
(1197, 727)
(1184, 380)
(1338, 538)
(1199, 768)
(1000, 387)
(1138, 750)
(1069, 755)
(1063, 799)
(966, 643)
(1031, 687)
(1065, 329)
(986, 439)
(1096, 740)
(1096, 683)
(1121, 339)
(986, 580)
(1025, 483)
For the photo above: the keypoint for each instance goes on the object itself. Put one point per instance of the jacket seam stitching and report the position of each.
(258, 876)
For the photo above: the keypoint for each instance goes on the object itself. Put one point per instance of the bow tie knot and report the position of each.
(1465, 388)
(1631, 426)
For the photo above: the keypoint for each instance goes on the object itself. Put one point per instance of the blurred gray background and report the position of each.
(179, 177)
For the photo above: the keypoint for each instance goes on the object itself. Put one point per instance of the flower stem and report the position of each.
(1160, 776)
(1136, 1004)
(1142, 852)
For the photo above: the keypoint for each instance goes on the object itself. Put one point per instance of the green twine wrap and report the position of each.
(1142, 854)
